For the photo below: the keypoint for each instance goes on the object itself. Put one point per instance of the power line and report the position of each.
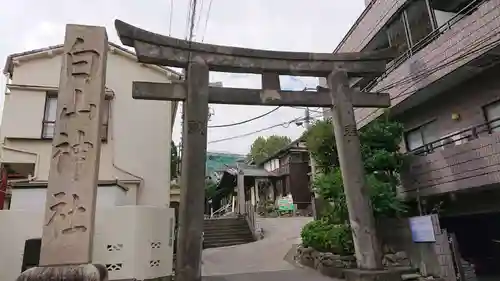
(284, 124)
(245, 121)
(188, 16)
(440, 65)
(206, 21)
(199, 16)
(171, 16)
(428, 71)
(193, 17)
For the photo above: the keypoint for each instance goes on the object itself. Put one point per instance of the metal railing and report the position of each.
(459, 137)
(221, 211)
(464, 12)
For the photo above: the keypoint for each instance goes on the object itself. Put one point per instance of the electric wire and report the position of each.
(424, 73)
(188, 17)
(440, 65)
(244, 121)
(436, 54)
(283, 124)
(200, 12)
(171, 16)
(206, 21)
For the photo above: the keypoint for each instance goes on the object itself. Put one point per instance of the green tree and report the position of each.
(382, 162)
(320, 141)
(210, 189)
(265, 147)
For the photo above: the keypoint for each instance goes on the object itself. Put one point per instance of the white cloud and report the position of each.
(295, 25)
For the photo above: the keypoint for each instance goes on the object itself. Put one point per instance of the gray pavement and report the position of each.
(263, 259)
(282, 275)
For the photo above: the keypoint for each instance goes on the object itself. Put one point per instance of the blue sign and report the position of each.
(422, 229)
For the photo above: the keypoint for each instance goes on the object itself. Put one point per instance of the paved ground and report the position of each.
(261, 260)
(282, 275)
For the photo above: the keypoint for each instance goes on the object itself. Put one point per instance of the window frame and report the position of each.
(418, 128)
(485, 115)
(104, 127)
(411, 41)
(49, 95)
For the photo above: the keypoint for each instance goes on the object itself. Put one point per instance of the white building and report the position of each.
(135, 153)
(134, 175)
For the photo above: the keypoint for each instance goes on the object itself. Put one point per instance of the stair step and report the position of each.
(227, 232)
(225, 242)
(226, 228)
(219, 245)
(225, 223)
(226, 220)
(224, 239)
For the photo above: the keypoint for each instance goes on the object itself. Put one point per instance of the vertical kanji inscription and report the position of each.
(71, 194)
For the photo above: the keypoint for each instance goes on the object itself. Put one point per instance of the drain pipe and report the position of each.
(113, 148)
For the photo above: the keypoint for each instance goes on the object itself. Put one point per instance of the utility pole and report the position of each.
(316, 207)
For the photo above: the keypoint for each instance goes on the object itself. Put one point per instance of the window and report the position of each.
(50, 113)
(444, 11)
(492, 112)
(419, 21)
(49, 118)
(397, 35)
(419, 137)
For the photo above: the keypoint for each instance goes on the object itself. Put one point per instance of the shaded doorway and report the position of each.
(478, 238)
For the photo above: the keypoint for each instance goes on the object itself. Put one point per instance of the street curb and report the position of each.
(290, 258)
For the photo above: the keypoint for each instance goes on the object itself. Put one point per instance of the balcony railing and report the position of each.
(459, 137)
(282, 170)
(466, 159)
(467, 10)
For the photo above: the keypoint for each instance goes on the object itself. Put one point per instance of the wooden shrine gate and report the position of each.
(198, 59)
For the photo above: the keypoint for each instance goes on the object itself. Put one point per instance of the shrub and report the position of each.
(383, 196)
(326, 237)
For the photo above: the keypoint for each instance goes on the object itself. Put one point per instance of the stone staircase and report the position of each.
(226, 231)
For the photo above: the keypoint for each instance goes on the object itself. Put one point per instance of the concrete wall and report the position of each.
(471, 164)
(139, 133)
(465, 166)
(431, 258)
(466, 100)
(137, 245)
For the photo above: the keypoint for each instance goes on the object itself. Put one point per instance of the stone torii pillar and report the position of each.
(68, 228)
(163, 50)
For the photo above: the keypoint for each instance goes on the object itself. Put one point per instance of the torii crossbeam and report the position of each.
(198, 59)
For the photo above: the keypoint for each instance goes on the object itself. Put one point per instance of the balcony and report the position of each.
(282, 170)
(375, 16)
(467, 159)
(459, 49)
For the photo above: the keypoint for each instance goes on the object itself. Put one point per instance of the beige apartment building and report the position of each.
(136, 134)
(445, 90)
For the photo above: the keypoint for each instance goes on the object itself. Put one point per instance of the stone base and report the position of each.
(372, 275)
(84, 272)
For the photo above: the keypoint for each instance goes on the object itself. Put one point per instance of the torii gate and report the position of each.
(198, 59)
